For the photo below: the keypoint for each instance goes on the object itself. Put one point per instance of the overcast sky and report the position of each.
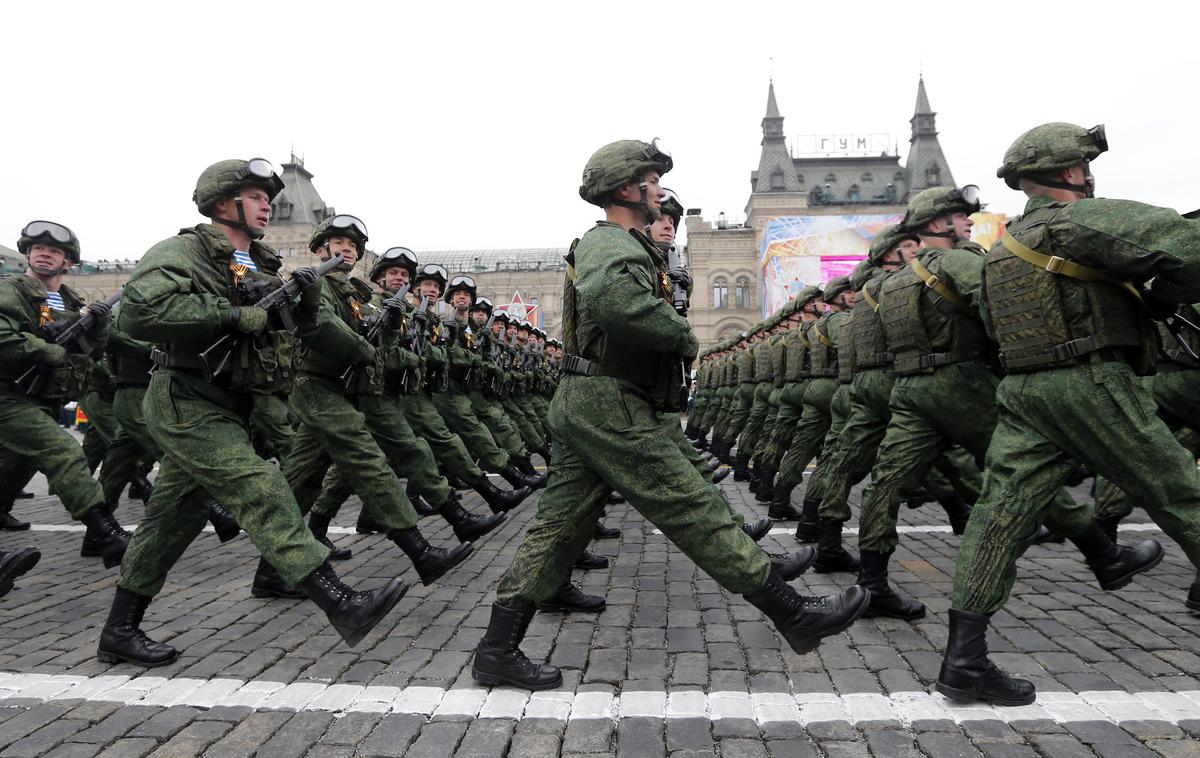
(462, 125)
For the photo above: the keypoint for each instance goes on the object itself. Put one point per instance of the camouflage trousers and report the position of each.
(739, 410)
(839, 412)
(333, 430)
(491, 414)
(787, 419)
(409, 456)
(756, 419)
(133, 448)
(530, 432)
(271, 426)
(204, 433)
(722, 410)
(607, 436)
(1178, 402)
(448, 448)
(810, 433)
(455, 407)
(763, 452)
(1097, 414)
(30, 441)
(102, 428)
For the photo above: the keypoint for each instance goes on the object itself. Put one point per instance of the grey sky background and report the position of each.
(464, 125)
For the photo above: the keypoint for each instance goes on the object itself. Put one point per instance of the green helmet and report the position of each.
(460, 282)
(395, 257)
(931, 203)
(861, 274)
(672, 206)
(806, 295)
(886, 241)
(341, 225)
(836, 287)
(52, 234)
(1051, 147)
(224, 178)
(482, 304)
(617, 163)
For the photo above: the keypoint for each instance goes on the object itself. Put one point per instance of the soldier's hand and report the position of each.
(681, 277)
(396, 304)
(310, 298)
(305, 275)
(248, 319)
(101, 310)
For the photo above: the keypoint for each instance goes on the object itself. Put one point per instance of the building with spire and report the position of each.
(846, 182)
(295, 214)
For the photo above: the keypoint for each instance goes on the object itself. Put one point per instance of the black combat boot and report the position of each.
(758, 529)
(366, 524)
(831, 556)
(1108, 525)
(514, 477)
(430, 562)
(353, 613)
(1045, 536)
(873, 575)
(11, 523)
(1193, 598)
(500, 501)
(958, 510)
(792, 565)
(1116, 565)
(268, 583)
(766, 486)
(722, 475)
(603, 532)
(422, 508)
(755, 477)
(498, 657)
(700, 442)
(318, 524)
(140, 487)
(614, 498)
(803, 620)
(806, 530)
(569, 598)
(918, 497)
(104, 537)
(588, 561)
(468, 526)
(525, 466)
(122, 638)
(781, 504)
(967, 675)
(741, 468)
(545, 453)
(16, 564)
(223, 522)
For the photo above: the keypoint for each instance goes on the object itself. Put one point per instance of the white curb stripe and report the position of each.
(928, 529)
(760, 707)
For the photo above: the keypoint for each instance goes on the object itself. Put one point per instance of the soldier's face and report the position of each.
(962, 225)
(846, 299)
(461, 300)
(632, 191)
(497, 327)
(430, 288)
(512, 330)
(908, 251)
(47, 258)
(395, 277)
(256, 205)
(663, 230)
(479, 317)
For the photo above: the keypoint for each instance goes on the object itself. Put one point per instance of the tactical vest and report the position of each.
(1045, 320)
(845, 351)
(745, 366)
(779, 359)
(866, 330)
(762, 362)
(924, 329)
(1171, 351)
(797, 353)
(68, 381)
(823, 353)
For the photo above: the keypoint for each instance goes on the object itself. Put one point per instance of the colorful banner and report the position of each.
(801, 250)
(989, 227)
(518, 308)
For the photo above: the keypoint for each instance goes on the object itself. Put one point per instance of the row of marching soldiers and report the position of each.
(264, 401)
(986, 381)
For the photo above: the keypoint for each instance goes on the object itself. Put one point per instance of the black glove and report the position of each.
(101, 310)
(1158, 308)
(396, 304)
(681, 277)
(305, 275)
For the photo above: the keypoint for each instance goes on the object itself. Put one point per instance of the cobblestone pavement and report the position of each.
(674, 666)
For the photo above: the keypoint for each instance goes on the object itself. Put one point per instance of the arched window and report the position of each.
(776, 179)
(933, 175)
(741, 293)
(720, 294)
(853, 193)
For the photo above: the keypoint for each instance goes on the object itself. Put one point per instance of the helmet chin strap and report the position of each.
(643, 205)
(240, 224)
(1087, 189)
(950, 233)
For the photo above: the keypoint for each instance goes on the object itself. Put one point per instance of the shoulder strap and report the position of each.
(816, 327)
(934, 283)
(870, 300)
(1064, 267)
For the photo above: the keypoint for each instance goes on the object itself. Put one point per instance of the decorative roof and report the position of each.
(926, 166)
(299, 202)
(775, 172)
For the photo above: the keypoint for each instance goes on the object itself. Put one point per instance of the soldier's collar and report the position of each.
(1040, 202)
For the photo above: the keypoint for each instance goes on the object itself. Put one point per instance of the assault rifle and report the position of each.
(675, 373)
(278, 305)
(374, 326)
(413, 338)
(72, 337)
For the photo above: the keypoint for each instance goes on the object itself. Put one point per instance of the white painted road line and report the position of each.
(474, 702)
(934, 529)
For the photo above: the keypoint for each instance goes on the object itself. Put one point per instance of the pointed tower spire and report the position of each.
(926, 165)
(776, 171)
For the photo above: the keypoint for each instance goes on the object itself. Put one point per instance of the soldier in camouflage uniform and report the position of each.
(626, 345)
(1060, 295)
(34, 307)
(187, 292)
(760, 405)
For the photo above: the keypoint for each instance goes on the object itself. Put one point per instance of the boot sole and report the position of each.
(591, 566)
(270, 594)
(1125, 579)
(493, 680)
(819, 568)
(475, 534)
(556, 608)
(112, 558)
(22, 527)
(871, 613)
(106, 657)
(443, 570)
(227, 536)
(353, 637)
(970, 696)
(810, 645)
(25, 560)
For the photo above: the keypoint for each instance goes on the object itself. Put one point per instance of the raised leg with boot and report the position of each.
(500, 501)
(804, 620)
(353, 613)
(268, 583)
(468, 526)
(1116, 565)
(430, 562)
(223, 522)
(570, 598)
(104, 537)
